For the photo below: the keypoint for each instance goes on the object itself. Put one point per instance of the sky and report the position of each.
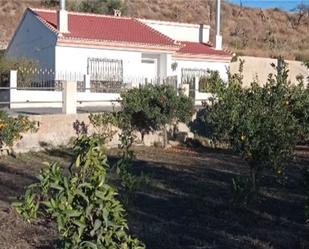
(287, 5)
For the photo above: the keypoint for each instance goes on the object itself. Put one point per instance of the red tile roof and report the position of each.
(106, 28)
(201, 49)
(92, 27)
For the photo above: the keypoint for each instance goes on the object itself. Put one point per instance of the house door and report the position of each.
(149, 70)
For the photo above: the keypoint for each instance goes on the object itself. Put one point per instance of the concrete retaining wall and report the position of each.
(256, 68)
(57, 130)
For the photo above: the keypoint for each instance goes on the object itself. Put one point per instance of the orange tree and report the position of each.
(12, 127)
(299, 106)
(257, 122)
(152, 107)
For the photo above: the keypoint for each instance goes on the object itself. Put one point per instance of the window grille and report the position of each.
(105, 70)
(188, 74)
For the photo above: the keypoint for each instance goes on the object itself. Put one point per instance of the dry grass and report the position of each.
(249, 31)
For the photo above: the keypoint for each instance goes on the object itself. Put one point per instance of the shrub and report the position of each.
(99, 6)
(105, 126)
(299, 106)
(7, 64)
(82, 204)
(49, 3)
(150, 108)
(256, 122)
(12, 127)
(211, 83)
(123, 166)
(242, 190)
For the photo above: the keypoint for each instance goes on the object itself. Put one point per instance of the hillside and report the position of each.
(247, 31)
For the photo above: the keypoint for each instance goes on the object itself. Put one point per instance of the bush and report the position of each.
(105, 126)
(299, 106)
(12, 127)
(151, 108)
(82, 204)
(49, 3)
(7, 64)
(256, 122)
(99, 6)
(211, 83)
(242, 190)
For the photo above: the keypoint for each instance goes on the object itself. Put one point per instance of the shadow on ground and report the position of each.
(187, 204)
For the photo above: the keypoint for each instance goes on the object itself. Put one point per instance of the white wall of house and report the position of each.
(75, 59)
(180, 31)
(34, 41)
(221, 67)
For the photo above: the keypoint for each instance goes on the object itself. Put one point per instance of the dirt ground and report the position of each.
(187, 204)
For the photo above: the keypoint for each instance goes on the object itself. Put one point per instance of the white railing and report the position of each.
(71, 94)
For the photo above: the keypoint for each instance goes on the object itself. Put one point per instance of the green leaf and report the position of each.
(56, 186)
(97, 224)
(73, 213)
(81, 194)
(88, 244)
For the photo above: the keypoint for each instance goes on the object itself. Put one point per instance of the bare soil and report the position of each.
(187, 205)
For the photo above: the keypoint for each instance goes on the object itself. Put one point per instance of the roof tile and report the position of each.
(107, 28)
(201, 49)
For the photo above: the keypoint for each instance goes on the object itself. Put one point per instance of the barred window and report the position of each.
(188, 74)
(105, 70)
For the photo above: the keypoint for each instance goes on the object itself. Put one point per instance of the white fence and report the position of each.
(68, 96)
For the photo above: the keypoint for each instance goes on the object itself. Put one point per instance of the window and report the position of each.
(105, 70)
(188, 74)
(148, 61)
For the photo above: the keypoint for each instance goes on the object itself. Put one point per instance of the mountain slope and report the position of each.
(247, 31)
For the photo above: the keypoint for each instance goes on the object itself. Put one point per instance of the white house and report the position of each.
(114, 46)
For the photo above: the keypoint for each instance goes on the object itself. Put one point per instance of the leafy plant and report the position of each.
(211, 83)
(83, 205)
(123, 166)
(104, 124)
(151, 108)
(242, 190)
(12, 127)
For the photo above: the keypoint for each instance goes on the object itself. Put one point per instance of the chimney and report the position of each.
(218, 21)
(62, 18)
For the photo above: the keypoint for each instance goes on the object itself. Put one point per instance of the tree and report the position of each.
(151, 108)
(303, 10)
(257, 123)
